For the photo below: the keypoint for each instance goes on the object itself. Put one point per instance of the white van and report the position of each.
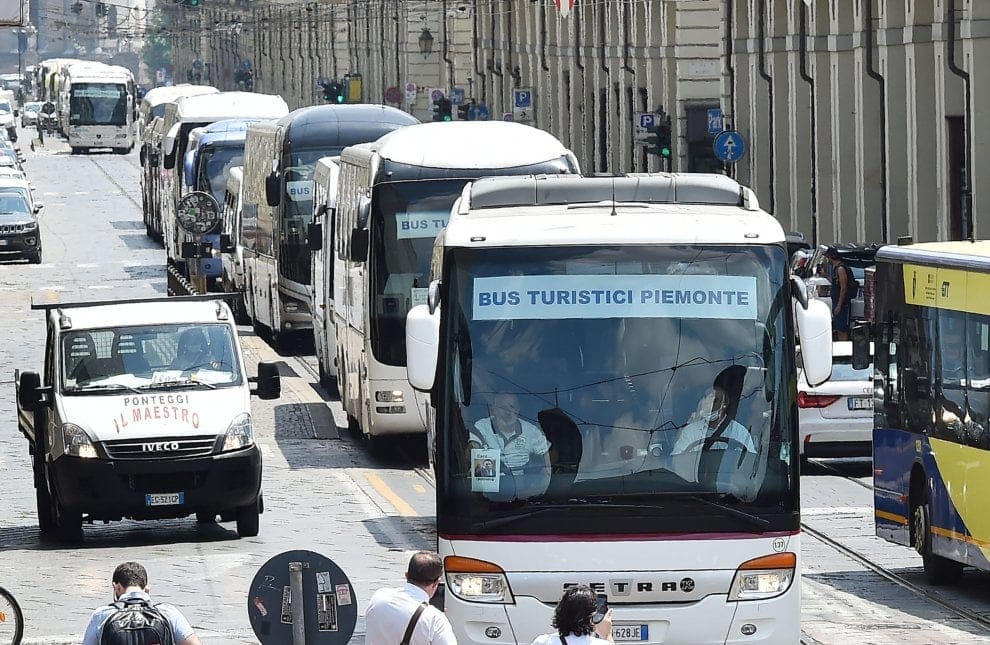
(142, 410)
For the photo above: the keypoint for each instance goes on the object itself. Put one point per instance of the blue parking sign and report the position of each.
(523, 97)
(647, 120)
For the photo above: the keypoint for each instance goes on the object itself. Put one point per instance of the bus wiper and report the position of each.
(753, 520)
(105, 387)
(544, 509)
(174, 385)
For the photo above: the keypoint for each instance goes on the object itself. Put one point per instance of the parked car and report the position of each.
(20, 233)
(817, 272)
(836, 418)
(29, 115)
(23, 188)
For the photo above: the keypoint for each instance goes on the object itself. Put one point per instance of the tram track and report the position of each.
(981, 620)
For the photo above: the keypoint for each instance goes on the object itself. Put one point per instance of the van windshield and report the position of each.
(149, 357)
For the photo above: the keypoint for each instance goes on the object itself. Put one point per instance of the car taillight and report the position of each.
(806, 400)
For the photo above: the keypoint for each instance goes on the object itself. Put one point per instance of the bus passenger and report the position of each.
(524, 450)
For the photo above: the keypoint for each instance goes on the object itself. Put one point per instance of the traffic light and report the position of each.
(658, 141)
(102, 9)
(462, 111)
(77, 7)
(187, 3)
(443, 110)
(333, 92)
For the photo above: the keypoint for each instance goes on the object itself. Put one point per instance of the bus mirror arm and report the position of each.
(359, 245)
(314, 236)
(799, 291)
(860, 345)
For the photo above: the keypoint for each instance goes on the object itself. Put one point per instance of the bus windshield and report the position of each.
(213, 167)
(633, 382)
(406, 218)
(297, 211)
(98, 104)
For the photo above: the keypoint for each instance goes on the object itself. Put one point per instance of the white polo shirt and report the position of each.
(388, 616)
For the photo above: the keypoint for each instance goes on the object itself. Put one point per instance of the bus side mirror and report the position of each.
(359, 245)
(814, 327)
(422, 346)
(29, 391)
(269, 385)
(314, 236)
(860, 346)
(273, 193)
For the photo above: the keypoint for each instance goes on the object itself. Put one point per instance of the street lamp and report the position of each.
(22, 43)
(426, 42)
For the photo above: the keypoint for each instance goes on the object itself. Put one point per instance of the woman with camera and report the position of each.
(581, 618)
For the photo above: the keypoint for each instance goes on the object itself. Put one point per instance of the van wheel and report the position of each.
(76, 150)
(376, 445)
(248, 520)
(121, 151)
(46, 522)
(68, 526)
(205, 517)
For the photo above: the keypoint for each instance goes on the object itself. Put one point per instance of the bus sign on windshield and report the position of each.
(614, 296)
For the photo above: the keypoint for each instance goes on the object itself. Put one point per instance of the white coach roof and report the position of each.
(168, 93)
(469, 144)
(230, 105)
(634, 209)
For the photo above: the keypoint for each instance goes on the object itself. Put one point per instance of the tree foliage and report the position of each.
(157, 51)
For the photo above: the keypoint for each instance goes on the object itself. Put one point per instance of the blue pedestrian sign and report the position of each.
(522, 98)
(729, 146)
(715, 121)
(457, 96)
(478, 112)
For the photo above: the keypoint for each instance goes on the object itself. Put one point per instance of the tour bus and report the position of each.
(394, 197)
(49, 77)
(212, 151)
(97, 107)
(597, 313)
(931, 334)
(232, 257)
(321, 295)
(278, 177)
(181, 117)
(150, 136)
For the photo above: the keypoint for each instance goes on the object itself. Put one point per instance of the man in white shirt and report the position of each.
(523, 448)
(392, 612)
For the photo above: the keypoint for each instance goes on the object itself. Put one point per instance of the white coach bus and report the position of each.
(97, 107)
(611, 367)
(394, 196)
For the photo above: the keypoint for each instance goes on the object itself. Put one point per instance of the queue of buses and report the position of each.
(447, 270)
(94, 102)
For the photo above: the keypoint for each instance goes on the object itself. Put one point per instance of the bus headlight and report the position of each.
(77, 443)
(240, 433)
(762, 578)
(477, 581)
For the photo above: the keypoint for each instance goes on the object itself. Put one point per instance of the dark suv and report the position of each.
(20, 233)
(817, 271)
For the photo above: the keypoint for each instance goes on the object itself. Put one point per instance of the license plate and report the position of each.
(861, 403)
(164, 499)
(630, 633)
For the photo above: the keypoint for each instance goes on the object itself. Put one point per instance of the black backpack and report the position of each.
(853, 286)
(136, 622)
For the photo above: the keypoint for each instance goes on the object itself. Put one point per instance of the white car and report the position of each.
(836, 418)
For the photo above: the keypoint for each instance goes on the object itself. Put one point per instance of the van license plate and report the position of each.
(861, 403)
(630, 633)
(164, 499)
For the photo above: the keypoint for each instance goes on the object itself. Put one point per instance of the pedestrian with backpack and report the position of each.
(132, 619)
(404, 615)
(844, 288)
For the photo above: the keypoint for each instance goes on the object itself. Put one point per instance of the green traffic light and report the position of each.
(665, 152)
(447, 117)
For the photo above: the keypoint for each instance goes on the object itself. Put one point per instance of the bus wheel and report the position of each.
(121, 151)
(76, 150)
(376, 445)
(938, 570)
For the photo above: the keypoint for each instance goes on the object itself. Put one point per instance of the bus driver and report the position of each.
(524, 450)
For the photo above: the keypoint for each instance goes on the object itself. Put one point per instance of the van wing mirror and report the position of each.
(359, 245)
(314, 236)
(269, 384)
(29, 391)
(422, 346)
